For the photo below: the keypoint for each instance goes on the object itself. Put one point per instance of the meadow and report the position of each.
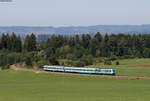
(129, 67)
(30, 86)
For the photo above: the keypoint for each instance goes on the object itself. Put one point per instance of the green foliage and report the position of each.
(11, 43)
(79, 63)
(76, 48)
(146, 53)
(87, 60)
(112, 58)
(98, 60)
(117, 63)
(68, 63)
(107, 62)
(41, 63)
(28, 61)
(9, 58)
(30, 43)
(5, 67)
(63, 51)
(71, 57)
(53, 61)
(84, 61)
(85, 41)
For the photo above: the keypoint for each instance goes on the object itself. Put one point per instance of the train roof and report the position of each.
(47, 66)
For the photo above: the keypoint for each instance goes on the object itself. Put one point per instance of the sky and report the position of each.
(74, 12)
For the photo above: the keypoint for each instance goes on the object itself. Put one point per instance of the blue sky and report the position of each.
(74, 12)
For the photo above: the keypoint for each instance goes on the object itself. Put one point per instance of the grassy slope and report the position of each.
(133, 67)
(28, 86)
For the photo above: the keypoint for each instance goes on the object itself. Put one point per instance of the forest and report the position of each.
(73, 50)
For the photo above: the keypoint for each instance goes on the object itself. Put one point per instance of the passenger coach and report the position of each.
(80, 70)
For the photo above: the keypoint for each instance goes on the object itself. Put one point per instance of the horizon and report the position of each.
(76, 25)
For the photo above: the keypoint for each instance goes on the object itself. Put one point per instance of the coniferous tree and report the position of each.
(30, 43)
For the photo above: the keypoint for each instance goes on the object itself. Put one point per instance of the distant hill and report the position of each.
(23, 30)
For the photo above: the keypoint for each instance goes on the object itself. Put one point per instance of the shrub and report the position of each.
(112, 58)
(69, 63)
(99, 60)
(6, 67)
(107, 62)
(87, 61)
(71, 57)
(79, 64)
(9, 58)
(75, 63)
(53, 61)
(117, 63)
(41, 63)
(127, 57)
(28, 61)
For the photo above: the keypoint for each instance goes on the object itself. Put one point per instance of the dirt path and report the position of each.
(141, 65)
(23, 67)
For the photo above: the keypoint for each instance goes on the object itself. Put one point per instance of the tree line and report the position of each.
(75, 50)
(113, 45)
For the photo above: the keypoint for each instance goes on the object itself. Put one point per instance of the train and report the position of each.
(79, 70)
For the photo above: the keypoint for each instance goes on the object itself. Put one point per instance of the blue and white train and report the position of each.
(80, 70)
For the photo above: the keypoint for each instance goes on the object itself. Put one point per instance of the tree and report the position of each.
(64, 51)
(86, 40)
(11, 42)
(30, 43)
(146, 53)
(117, 63)
(96, 44)
(4, 41)
(16, 43)
(28, 61)
(105, 52)
(53, 61)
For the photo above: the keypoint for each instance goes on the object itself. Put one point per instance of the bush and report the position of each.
(69, 63)
(6, 67)
(9, 58)
(71, 57)
(127, 57)
(75, 63)
(99, 60)
(53, 61)
(41, 63)
(87, 60)
(112, 58)
(107, 62)
(117, 63)
(79, 64)
(28, 61)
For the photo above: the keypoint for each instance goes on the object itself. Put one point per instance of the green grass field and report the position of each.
(131, 67)
(30, 86)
